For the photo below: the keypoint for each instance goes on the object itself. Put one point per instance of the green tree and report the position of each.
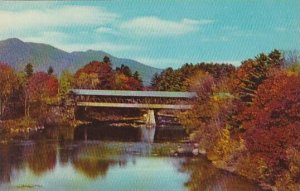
(106, 59)
(124, 70)
(66, 82)
(29, 70)
(50, 70)
(155, 80)
(253, 72)
(137, 77)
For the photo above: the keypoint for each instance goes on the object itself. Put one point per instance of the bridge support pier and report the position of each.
(150, 119)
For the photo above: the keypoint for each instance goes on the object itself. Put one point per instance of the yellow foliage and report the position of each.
(254, 168)
(226, 148)
(289, 179)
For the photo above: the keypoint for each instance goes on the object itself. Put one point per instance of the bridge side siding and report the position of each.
(134, 105)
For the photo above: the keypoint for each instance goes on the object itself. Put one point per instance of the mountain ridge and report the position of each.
(18, 53)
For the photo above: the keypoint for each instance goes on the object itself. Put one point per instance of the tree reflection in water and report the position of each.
(9, 162)
(40, 157)
(205, 177)
(94, 160)
(89, 159)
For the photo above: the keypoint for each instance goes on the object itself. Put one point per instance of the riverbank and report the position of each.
(17, 128)
(192, 149)
(21, 128)
(232, 168)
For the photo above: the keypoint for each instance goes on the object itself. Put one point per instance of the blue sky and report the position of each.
(158, 33)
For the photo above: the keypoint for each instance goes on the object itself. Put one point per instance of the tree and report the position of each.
(8, 85)
(137, 77)
(176, 80)
(123, 82)
(253, 72)
(106, 76)
(272, 122)
(66, 82)
(100, 70)
(100, 75)
(199, 120)
(87, 81)
(106, 59)
(155, 80)
(125, 70)
(29, 70)
(40, 88)
(50, 70)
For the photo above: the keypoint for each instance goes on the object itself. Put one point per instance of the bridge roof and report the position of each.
(128, 93)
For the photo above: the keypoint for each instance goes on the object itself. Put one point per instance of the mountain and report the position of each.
(17, 53)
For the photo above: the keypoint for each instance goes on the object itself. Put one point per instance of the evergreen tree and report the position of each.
(137, 77)
(29, 70)
(50, 70)
(106, 59)
(155, 81)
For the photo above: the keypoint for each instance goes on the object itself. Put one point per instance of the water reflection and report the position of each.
(101, 157)
(203, 176)
(94, 165)
(98, 131)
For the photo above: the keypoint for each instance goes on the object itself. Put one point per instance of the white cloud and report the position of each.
(155, 26)
(107, 30)
(54, 17)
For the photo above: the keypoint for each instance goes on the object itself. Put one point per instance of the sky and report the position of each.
(158, 33)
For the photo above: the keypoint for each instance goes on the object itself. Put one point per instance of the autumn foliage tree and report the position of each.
(253, 72)
(100, 75)
(9, 84)
(272, 122)
(175, 80)
(40, 88)
(250, 119)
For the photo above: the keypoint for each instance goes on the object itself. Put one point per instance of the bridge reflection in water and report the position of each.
(106, 132)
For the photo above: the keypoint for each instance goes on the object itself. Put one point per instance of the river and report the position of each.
(100, 157)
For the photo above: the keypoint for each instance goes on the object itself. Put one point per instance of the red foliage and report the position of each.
(41, 85)
(272, 122)
(107, 78)
(103, 70)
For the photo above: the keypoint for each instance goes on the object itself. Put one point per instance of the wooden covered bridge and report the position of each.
(150, 100)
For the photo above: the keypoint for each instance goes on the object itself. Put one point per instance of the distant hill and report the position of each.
(17, 53)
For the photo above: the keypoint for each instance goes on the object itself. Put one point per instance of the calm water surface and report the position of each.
(89, 159)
